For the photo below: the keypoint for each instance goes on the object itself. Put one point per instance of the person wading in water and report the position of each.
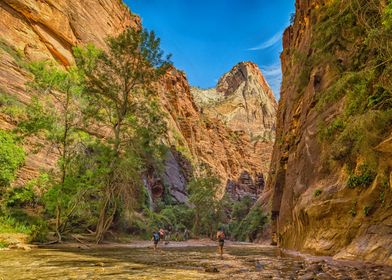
(220, 236)
(155, 238)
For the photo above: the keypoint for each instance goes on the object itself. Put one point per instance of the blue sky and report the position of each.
(208, 37)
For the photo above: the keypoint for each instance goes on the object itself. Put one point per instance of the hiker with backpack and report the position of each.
(162, 233)
(220, 236)
(155, 237)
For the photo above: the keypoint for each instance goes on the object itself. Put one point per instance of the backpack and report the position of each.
(156, 236)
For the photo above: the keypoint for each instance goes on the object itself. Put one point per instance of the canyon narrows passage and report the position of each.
(102, 139)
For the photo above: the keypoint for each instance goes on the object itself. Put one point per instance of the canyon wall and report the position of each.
(48, 30)
(321, 199)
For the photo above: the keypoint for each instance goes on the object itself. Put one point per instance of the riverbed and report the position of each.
(177, 260)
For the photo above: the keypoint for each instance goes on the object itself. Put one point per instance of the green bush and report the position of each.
(20, 197)
(10, 106)
(3, 244)
(251, 226)
(367, 210)
(11, 158)
(384, 187)
(179, 216)
(241, 208)
(364, 178)
(328, 132)
(18, 221)
(317, 192)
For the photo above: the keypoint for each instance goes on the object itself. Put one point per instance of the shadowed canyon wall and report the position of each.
(329, 189)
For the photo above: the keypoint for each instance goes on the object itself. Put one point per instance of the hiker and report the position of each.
(220, 236)
(162, 233)
(155, 238)
(186, 234)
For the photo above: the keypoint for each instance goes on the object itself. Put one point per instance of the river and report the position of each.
(177, 261)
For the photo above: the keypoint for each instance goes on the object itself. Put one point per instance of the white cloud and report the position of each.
(273, 75)
(269, 43)
(272, 70)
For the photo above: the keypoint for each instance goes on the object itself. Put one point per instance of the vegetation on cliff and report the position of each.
(11, 158)
(353, 40)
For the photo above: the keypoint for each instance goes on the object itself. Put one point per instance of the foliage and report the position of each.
(367, 210)
(10, 106)
(248, 228)
(55, 114)
(203, 192)
(3, 244)
(178, 216)
(240, 209)
(18, 221)
(384, 187)
(11, 158)
(317, 192)
(16, 54)
(20, 197)
(120, 95)
(328, 132)
(364, 178)
(352, 39)
(387, 16)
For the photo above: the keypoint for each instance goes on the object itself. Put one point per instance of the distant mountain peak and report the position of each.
(243, 100)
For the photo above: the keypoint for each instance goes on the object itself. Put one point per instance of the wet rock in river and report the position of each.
(315, 267)
(211, 270)
(324, 276)
(307, 276)
(259, 266)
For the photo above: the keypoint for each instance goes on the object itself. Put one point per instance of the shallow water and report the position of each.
(239, 262)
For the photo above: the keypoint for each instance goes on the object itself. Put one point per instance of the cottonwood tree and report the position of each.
(54, 114)
(122, 98)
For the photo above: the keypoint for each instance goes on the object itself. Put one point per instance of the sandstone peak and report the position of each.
(243, 100)
(242, 72)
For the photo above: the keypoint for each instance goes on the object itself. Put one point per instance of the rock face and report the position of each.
(242, 100)
(244, 103)
(313, 210)
(207, 141)
(246, 185)
(48, 29)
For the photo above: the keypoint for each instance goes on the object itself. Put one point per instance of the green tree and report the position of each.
(121, 96)
(203, 196)
(241, 208)
(11, 158)
(248, 228)
(55, 114)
